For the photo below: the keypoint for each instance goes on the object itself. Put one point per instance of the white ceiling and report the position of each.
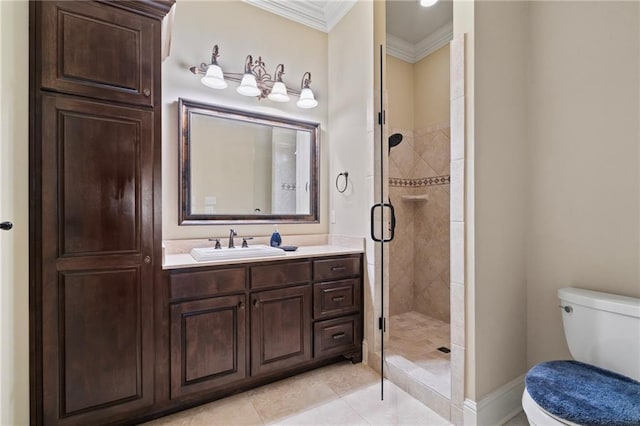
(413, 31)
(409, 21)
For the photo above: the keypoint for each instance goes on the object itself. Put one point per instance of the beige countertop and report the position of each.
(176, 253)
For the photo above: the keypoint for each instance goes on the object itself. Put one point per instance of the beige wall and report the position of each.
(500, 192)
(583, 159)
(14, 206)
(400, 82)
(552, 187)
(431, 89)
(239, 29)
(350, 66)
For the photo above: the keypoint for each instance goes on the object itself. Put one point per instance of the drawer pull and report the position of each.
(338, 268)
(338, 298)
(338, 336)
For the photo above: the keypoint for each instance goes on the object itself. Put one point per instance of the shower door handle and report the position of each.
(393, 223)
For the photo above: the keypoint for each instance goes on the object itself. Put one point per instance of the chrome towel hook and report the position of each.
(346, 182)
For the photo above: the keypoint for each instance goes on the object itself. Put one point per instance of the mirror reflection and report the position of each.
(242, 166)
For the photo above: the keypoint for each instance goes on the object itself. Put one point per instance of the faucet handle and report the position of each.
(217, 240)
(244, 241)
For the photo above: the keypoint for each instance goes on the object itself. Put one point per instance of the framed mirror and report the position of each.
(243, 167)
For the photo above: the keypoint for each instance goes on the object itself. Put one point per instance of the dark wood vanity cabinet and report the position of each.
(95, 50)
(280, 328)
(95, 228)
(295, 320)
(208, 344)
(337, 307)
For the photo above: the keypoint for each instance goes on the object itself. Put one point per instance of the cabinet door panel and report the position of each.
(97, 261)
(208, 344)
(280, 328)
(98, 169)
(97, 51)
(99, 193)
(104, 370)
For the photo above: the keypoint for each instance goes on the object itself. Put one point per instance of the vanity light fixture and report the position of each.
(255, 81)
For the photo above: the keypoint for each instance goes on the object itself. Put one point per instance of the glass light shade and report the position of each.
(214, 78)
(307, 100)
(428, 3)
(278, 93)
(248, 86)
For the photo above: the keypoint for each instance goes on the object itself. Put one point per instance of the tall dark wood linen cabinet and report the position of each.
(95, 213)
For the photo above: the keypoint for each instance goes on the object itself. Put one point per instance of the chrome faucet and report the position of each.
(232, 233)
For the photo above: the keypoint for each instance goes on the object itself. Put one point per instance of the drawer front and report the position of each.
(336, 268)
(280, 274)
(336, 298)
(333, 337)
(207, 283)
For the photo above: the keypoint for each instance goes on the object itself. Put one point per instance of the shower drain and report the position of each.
(444, 349)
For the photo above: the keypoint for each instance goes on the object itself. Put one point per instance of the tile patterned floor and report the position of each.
(417, 338)
(339, 394)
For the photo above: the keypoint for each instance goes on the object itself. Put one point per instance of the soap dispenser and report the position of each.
(276, 240)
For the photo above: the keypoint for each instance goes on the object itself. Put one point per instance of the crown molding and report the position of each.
(334, 11)
(434, 41)
(311, 14)
(412, 53)
(306, 13)
(400, 48)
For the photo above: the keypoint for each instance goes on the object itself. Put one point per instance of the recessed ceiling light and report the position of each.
(427, 3)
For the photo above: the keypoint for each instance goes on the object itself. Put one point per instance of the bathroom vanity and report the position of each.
(119, 333)
(239, 324)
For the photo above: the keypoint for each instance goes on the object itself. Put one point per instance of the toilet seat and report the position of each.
(537, 416)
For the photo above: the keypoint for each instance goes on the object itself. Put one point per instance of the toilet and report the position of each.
(601, 386)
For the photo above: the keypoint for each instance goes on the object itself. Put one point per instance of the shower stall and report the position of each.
(418, 123)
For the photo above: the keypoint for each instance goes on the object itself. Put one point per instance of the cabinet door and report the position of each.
(208, 344)
(98, 51)
(97, 266)
(280, 328)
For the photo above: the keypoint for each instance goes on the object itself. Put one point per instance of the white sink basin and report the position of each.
(205, 254)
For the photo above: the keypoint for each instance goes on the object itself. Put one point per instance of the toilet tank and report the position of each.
(602, 329)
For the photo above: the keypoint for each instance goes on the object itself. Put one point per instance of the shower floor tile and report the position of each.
(417, 337)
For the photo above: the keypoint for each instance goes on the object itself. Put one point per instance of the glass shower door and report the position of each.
(383, 221)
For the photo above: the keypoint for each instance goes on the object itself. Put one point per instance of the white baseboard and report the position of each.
(497, 407)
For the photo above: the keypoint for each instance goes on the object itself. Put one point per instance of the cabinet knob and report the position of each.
(5, 226)
(241, 304)
(147, 92)
(256, 303)
(147, 259)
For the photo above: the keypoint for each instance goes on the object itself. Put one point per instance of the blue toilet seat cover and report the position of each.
(584, 394)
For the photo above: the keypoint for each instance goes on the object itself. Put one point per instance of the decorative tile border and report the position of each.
(416, 183)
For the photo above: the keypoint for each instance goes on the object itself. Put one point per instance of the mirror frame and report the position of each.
(186, 108)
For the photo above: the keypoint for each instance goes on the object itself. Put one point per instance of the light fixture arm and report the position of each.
(279, 72)
(306, 80)
(264, 80)
(214, 55)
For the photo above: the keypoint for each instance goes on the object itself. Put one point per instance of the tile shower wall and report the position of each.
(419, 255)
